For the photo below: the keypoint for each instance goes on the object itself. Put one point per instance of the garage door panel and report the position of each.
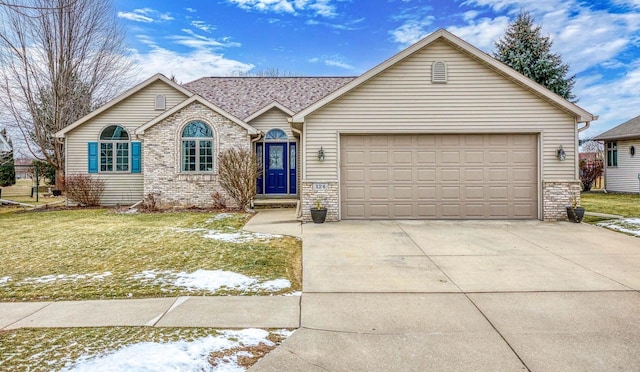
(379, 175)
(426, 192)
(450, 157)
(403, 193)
(450, 175)
(426, 174)
(379, 210)
(354, 157)
(403, 175)
(479, 176)
(379, 193)
(355, 192)
(474, 192)
(378, 157)
(426, 157)
(451, 211)
(473, 175)
(403, 210)
(354, 175)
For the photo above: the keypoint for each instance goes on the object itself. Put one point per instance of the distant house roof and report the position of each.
(244, 96)
(626, 130)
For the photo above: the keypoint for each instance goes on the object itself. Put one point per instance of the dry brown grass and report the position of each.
(97, 241)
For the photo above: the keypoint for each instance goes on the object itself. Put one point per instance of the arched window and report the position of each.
(197, 147)
(114, 149)
(276, 134)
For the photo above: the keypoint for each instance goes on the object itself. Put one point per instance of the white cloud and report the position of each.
(323, 8)
(333, 61)
(337, 63)
(201, 25)
(196, 41)
(190, 10)
(145, 15)
(135, 17)
(187, 66)
(412, 30)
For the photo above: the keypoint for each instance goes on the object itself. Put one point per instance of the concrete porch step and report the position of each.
(275, 203)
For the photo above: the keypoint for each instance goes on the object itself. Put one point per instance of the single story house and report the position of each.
(441, 130)
(622, 164)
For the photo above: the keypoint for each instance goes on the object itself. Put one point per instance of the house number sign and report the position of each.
(320, 186)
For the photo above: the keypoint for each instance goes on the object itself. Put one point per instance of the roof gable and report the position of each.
(268, 107)
(506, 71)
(627, 130)
(140, 130)
(122, 97)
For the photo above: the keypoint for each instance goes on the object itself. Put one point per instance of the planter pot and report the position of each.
(575, 214)
(318, 215)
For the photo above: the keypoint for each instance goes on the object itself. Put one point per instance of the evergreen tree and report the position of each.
(524, 49)
(7, 166)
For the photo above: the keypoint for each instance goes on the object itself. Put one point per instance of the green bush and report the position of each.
(45, 171)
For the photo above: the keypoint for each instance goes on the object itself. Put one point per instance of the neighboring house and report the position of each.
(440, 130)
(4, 143)
(622, 162)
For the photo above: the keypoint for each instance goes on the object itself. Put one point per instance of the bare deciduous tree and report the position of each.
(59, 59)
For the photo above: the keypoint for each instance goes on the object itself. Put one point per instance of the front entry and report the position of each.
(275, 168)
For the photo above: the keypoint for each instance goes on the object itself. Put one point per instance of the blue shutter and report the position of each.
(136, 157)
(93, 157)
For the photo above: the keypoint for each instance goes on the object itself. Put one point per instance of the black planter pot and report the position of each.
(318, 215)
(575, 214)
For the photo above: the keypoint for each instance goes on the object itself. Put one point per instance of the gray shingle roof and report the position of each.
(243, 96)
(628, 129)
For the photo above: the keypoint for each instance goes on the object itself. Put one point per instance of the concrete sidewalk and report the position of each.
(212, 312)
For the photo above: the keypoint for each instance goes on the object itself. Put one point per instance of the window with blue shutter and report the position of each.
(136, 157)
(93, 157)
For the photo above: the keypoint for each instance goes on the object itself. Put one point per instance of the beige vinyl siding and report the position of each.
(120, 188)
(624, 177)
(476, 99)
(273, 118)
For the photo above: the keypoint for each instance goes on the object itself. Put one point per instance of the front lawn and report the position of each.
(135, 349)
(101, 254)
(626, 205)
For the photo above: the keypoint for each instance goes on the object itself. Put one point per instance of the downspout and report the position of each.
(300, 146)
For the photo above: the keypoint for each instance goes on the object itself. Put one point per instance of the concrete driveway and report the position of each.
(465, 295)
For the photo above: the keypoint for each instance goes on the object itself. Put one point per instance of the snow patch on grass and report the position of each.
(229, 237)
(5, 280)
(63, 278)
(628, 225)
(220, 216)
(212, 280)
(175, 356)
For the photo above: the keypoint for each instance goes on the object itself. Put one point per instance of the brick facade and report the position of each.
(557, 195)
(161, 157)
(328, 192)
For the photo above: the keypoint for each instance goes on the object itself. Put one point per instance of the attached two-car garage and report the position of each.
(439, 176)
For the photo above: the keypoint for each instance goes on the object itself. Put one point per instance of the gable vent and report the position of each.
(438, 72)
(161, 102)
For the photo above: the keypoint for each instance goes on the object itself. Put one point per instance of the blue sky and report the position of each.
(194, 38)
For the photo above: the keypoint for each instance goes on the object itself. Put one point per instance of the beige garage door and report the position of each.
(483, 176)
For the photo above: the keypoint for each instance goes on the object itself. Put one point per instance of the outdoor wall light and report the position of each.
(321, 154)
(561, 154)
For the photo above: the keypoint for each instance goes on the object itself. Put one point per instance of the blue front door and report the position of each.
(276, 168)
